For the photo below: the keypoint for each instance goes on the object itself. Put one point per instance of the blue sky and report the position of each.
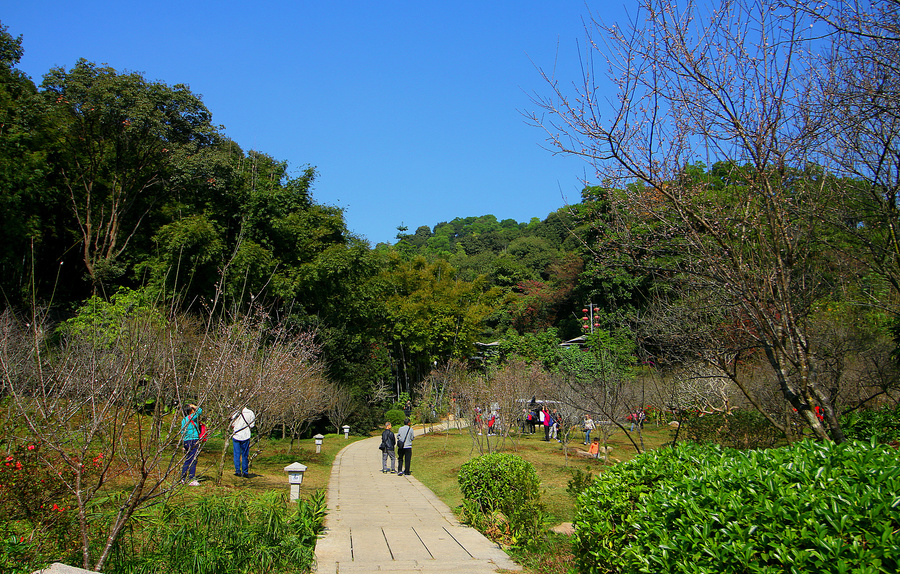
(411, 112)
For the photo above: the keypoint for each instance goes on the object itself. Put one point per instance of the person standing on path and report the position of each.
(388, 442)
(241, 423)
(190, 430)
(404, 447)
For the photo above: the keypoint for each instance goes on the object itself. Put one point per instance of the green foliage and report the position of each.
(105, 322)
(581, 479)
(811, 507)
(395, 416)
(740, 429)
(881, 425)
(225, 534)
(541, 347)
(502, 497)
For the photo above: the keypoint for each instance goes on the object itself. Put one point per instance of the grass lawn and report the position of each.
(437, 459)
(267, 467)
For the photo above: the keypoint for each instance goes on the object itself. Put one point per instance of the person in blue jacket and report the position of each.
(190, 434)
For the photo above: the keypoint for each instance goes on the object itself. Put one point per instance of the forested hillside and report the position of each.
(116, 186)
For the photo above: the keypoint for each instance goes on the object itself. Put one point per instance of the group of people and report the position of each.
(402, 443)
(492, 421)
(544, 417)
(193, 434)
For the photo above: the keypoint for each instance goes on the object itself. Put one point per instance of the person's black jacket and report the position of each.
(388, 440)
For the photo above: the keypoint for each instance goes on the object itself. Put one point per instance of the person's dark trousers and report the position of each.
(546, 432)
(189, 467)
(241, 456)
(405, 459)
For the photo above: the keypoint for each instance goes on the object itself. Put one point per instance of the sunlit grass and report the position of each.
(437, 459)
(267, 467)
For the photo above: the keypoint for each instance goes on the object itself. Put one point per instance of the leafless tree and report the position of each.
(726, 86)
(508, 391)
(101, 404)
(85, 403)
(341, 406)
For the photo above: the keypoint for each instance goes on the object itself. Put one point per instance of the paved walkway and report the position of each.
(387, 523)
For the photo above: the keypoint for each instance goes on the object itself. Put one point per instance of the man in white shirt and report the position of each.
(241, 423)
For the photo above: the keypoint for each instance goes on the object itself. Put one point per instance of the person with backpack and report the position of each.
(190, 435)
(388, 442)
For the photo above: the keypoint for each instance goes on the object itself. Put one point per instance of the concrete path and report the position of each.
(387, 523)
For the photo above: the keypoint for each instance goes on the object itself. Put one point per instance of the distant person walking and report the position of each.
(404, 448)
(388, 443)
(241, 423)
(190, 431)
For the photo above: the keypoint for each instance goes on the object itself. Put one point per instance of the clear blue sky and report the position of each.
(411, 112)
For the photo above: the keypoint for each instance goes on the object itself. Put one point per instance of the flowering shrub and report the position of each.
(37, 508)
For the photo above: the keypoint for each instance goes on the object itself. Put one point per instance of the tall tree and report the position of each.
(727, 83)
(121, 140)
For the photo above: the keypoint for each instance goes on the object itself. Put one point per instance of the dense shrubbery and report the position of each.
(502, 497)
(811, 507)
(741, 429)
(225, 534)
(882, 424)
(395, 416)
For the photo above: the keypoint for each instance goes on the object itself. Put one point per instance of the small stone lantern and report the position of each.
(319, 439)
(346, 431)
(295, 478)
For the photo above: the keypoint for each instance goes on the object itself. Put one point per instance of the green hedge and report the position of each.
(811, 507)
(396, 417)
(502, 497)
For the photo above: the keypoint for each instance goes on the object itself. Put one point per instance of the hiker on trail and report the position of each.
(190, 431)
(404, 448)
(241, 423)
(388, 442)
